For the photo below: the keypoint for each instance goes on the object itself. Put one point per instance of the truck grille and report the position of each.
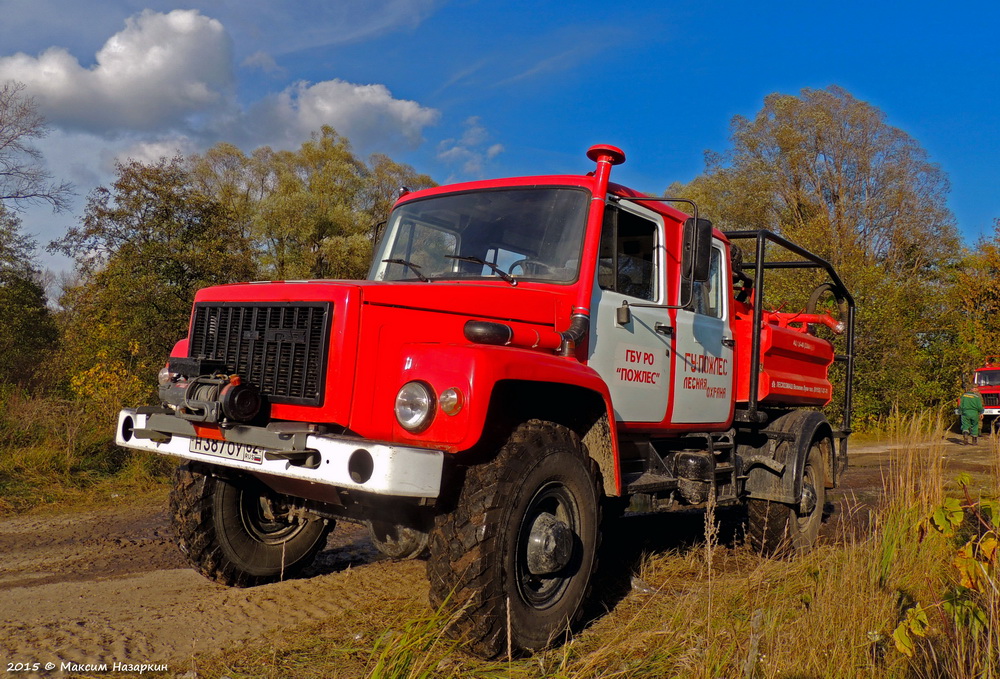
(279, 347)
(992, 400)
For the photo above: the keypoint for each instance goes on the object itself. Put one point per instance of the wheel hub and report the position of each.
(550, 545)
(808, 502)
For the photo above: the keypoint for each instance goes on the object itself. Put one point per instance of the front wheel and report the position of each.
(237, 532)
(777, 528)
(518, 551)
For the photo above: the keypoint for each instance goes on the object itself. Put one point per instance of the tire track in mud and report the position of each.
(110, 586)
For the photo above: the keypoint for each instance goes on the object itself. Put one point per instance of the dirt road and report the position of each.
(110, 586)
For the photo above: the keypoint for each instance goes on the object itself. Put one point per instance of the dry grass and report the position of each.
(709, 611)
(60, 453)
(706, 611)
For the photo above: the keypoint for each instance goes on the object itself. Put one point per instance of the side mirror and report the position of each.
(697, 253)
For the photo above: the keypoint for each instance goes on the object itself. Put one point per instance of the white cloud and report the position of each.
(468, 151)
(173, 73)
(155, 73)
(263, 61)
(151, 152)
(475, 134)
(368, 115)
(165, 83)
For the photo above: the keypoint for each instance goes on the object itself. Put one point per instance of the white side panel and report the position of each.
(703, 373)
(633, 359)
(703, 381)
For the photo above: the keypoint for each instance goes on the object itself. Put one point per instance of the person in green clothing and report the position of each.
(970, 407)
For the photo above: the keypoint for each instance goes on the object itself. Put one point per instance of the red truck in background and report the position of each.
(987, 378)
(524, 354)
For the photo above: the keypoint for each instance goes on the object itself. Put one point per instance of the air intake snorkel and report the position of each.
(605, 156)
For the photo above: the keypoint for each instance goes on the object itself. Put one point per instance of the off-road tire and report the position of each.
(775, 528)
(397, 541)
(219, 528)
(478, 552)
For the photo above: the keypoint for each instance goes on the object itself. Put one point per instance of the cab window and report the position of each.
(707, 296)
(627, 257)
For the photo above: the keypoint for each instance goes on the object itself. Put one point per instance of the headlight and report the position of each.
(165, 377)
(414, 406)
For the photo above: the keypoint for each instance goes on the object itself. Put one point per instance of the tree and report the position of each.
(23, 179)
(144, 247)
(16, 249)
(28, 333)
(311, 213)
(161, 231)
(27, 329)
(308, 217)
(826, 170)
(977, 302)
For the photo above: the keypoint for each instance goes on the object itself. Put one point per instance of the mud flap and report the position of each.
(774, 470)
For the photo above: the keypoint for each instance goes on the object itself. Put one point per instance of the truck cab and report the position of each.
(525, 356)
(987, 378)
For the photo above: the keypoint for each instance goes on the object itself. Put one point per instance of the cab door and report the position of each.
(632, 358)
(703, 371)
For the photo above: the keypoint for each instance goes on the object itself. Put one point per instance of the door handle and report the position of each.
(664, 329)
(729, 342)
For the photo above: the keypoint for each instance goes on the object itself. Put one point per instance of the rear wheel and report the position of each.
(238, 532)
(397, 541)
(517, 553)
(777, 528)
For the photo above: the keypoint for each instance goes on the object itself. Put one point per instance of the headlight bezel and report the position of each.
(415, 406)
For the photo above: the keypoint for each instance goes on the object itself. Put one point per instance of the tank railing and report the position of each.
(840, 291)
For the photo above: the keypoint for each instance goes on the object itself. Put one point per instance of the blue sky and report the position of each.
(468, 89)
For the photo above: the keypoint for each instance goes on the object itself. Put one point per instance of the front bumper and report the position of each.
(347, 462)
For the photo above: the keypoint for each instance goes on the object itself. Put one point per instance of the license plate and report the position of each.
(228, 450)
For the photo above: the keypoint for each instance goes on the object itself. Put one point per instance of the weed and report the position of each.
(56, 451)
(957, 632)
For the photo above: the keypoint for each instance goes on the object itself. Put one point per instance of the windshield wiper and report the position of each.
(482, 262)
(413, 267)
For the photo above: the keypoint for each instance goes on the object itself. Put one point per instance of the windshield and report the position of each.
(988, 378)
(529, 233)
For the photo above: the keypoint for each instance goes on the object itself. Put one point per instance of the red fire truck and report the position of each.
(524, 354)
(987, 378)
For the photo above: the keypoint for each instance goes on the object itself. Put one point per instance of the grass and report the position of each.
(712, 610)
(707, 610)
(60, 453)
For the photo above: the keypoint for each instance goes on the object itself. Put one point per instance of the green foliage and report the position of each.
(309, 213)
(28, 333)
(826, 171)
(61, 451)
(413, 652)
(963, 639)
(144, 247)
(975, 300)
